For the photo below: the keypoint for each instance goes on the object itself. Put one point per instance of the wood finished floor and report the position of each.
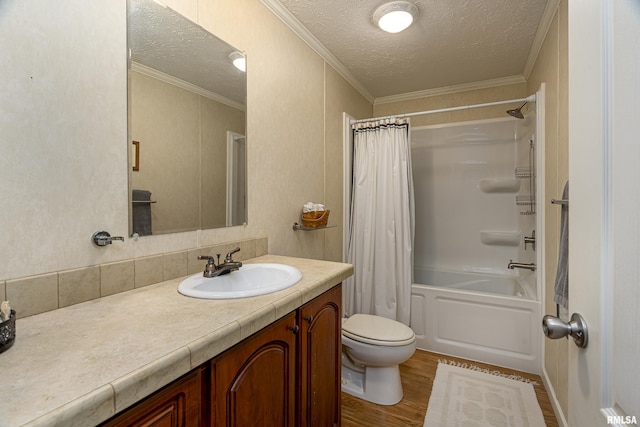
(417, 376)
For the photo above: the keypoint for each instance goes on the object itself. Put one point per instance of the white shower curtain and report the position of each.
(382, 221)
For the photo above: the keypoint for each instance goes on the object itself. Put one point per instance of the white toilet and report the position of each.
(372, 349)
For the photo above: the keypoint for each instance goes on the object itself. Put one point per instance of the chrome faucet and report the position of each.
(229, 265)
(513, 265)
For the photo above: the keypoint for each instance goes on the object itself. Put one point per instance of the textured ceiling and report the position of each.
(452, 42)
(166, 41)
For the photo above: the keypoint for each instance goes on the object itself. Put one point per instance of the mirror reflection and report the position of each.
(187, 120)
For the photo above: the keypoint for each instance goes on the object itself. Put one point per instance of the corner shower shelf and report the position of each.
(525, 200)
(525, 172)
(300, 227)
(500, 185)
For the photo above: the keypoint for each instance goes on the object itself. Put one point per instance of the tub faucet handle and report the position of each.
(530, 239)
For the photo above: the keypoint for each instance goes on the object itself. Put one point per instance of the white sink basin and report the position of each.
(249, 281)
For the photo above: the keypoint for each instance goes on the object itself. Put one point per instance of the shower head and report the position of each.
(516, 111)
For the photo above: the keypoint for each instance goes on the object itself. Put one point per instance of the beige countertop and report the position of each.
(82, 364)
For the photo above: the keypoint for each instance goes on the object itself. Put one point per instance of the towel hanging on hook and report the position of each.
(561, 286)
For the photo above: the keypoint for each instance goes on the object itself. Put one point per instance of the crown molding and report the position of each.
(547, 19)
(445, 90)
(159, 75)
(296, 26)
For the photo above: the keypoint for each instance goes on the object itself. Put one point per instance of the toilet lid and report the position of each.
(377, 330)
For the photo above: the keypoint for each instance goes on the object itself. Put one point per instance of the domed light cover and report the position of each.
(395, 16)
(239, 61)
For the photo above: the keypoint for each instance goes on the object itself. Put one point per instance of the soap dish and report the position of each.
(8, 332)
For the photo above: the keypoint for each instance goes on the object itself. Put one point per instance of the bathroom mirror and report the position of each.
(187, 121)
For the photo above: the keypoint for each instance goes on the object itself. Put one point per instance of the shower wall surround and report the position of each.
(63, 136)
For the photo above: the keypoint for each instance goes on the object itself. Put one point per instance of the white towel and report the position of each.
(312, 207)
(561, 288)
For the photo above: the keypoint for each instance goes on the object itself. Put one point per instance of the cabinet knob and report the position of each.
(294, 329)
(308, 319)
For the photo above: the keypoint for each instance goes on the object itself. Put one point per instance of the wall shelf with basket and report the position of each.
(300, 227)
(313, 219)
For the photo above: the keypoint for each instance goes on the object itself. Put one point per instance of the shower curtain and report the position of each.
(382, 221)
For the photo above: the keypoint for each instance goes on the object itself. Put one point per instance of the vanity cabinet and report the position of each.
(253, 384)
(177, 405)
(320, 349)
(287, 374)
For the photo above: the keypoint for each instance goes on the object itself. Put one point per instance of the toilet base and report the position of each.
(379, 385)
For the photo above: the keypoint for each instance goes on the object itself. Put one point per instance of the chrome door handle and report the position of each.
(555, 328)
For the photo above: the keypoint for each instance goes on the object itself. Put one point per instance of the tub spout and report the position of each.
(513, 265)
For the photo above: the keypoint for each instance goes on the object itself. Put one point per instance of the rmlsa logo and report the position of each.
(620, 419)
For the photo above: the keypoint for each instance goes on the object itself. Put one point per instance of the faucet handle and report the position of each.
(229, 257)
(530, 239)
(211, 267)
(209, 259)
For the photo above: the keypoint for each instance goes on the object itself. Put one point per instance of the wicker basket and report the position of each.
(8, 332)
(315, 219)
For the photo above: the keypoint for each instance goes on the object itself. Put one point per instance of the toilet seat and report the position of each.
(377, 330)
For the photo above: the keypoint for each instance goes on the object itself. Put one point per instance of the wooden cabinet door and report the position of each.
(320, 348)
(253, 384)
(177, 405)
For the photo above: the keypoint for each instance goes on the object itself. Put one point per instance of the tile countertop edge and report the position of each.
(88, 410)
(120, 393)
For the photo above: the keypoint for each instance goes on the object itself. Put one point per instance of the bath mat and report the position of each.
(464, 397)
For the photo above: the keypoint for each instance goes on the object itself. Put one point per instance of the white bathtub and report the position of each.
(481, 317)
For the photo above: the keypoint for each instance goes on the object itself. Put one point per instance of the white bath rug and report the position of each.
(463, 397)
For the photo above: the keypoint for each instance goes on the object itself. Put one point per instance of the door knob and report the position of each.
(555, 328)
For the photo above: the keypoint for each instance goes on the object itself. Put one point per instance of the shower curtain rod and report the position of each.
(531, 98)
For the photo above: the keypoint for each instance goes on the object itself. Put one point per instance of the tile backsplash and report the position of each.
(46, 292)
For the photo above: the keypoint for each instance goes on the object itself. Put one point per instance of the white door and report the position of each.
(604, 210)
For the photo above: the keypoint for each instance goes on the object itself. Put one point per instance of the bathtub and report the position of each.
(487, 318)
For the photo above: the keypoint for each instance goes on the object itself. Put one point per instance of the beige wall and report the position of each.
(551, 68)
(63, 133)
(341, 97)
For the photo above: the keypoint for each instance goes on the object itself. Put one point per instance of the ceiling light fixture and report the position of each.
(395, 16)
(239, 61)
